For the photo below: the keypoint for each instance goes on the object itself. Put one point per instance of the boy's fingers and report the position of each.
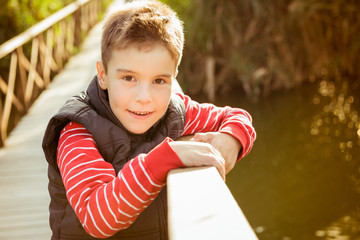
(221, 170)
(220, 165)
(204, 154)
(220, 157)
(219, 161)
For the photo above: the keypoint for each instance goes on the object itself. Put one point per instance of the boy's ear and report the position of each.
(101, 74)
(176, 73)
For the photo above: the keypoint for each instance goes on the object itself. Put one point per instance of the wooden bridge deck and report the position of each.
(24, 197)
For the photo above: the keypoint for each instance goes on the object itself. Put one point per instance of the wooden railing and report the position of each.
(201, 207)
(33, 57)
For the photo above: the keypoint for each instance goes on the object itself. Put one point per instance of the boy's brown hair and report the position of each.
(142, 22)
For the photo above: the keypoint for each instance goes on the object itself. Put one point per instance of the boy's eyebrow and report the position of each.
(122, 70)
(165, 75)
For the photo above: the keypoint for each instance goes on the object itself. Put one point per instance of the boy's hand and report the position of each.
(197, 154)
(226, 144)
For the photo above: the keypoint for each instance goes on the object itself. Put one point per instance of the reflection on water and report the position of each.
(339, 115)
(302, 179)
(345, 228)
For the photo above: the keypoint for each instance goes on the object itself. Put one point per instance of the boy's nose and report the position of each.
(143, 94)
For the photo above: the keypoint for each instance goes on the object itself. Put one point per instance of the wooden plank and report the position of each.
(31, 67)
(22, 72)
(31, 77)
(70, 36)
(9, 97)
(16, 101)
(49, 43)
(59, 46)
(202, 207)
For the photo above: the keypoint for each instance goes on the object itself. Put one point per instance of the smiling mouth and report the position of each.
(140, 113)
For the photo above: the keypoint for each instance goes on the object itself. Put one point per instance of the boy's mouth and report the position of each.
(140, 113)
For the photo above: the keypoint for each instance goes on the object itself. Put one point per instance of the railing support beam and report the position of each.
(202, 207)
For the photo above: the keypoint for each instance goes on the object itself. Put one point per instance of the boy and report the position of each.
(110, 148)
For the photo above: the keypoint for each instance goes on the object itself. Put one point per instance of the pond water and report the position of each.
(302, 179)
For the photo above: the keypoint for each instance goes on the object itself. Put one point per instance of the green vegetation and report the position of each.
(262, 46)
(265, 46)
(22, 14)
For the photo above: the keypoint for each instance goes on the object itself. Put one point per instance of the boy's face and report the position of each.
(138, 81)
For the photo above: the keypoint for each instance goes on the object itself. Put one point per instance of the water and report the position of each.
(302, 179)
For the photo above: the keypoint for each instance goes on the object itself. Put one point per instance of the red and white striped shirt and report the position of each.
(105, 201)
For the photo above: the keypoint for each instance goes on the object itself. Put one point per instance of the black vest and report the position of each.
(117, 146)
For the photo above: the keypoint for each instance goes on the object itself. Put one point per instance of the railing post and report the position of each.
(202, 207)
(77, 29)
(9, 97)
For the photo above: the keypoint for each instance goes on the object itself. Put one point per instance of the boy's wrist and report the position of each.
(239, 135)
(162, 159)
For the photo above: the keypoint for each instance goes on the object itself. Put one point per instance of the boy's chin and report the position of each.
(137, 131)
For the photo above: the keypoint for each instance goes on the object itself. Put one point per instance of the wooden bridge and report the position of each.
(24, 197)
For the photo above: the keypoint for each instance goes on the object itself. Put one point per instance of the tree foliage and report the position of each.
(18, 15)
(267, 45)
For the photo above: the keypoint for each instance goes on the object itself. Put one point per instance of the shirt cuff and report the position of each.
(162, 159)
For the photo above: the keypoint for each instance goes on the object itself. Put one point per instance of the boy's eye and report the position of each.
(128, 78)
(159, 81)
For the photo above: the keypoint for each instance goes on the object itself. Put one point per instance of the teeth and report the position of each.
(138, 113)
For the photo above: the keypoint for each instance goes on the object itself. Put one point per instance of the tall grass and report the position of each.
(265, 46)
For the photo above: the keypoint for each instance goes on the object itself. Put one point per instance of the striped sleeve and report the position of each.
(104, 201)
(207, 117)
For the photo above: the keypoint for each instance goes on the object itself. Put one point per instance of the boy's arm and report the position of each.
(229, 130)
(106, 202)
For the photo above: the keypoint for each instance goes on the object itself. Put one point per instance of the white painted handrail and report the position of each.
(202, 207)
